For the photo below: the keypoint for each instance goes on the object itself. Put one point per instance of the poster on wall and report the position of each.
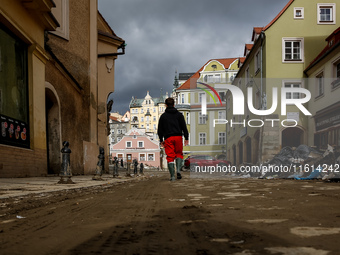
(14, 132)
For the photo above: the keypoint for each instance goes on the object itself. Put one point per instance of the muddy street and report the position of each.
(190, 216)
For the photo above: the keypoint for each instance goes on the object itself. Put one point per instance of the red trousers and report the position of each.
(173, 147)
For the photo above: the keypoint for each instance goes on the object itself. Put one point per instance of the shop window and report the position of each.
(13, 90)
(151, 157)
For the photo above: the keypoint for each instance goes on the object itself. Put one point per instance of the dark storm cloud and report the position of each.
(163, 36)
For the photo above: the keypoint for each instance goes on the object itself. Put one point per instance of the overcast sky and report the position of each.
(163, 36)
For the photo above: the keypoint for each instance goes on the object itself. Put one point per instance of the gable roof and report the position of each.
(278, 16)
(226, 62)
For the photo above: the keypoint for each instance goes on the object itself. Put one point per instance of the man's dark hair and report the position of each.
(170, 102)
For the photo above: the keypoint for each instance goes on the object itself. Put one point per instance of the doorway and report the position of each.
(52, 132)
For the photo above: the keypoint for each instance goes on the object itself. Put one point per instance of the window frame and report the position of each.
(222, 136)
(331, 6)
(302, 13)
(292, 40)
(319, 87)
(126, 144)
(138, 142)
(202, 138)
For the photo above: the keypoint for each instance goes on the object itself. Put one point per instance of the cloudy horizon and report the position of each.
(163, 37)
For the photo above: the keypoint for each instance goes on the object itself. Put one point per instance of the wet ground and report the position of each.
(191, 216)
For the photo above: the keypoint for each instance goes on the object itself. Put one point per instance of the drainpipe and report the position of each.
(262, 35)
(122, 46)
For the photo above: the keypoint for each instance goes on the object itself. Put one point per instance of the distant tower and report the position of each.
(175, 86)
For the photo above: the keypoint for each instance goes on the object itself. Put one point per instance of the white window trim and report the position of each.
(224, 138)
(333, 5)
(302, 85)
(284, 39)
(126, 144)
(317, 76)
(64, 21)
(141, 154)
(153, 154)
(199, 138)
(142, 144)
(302, 13)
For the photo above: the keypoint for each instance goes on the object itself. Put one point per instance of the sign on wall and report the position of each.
(14, 132)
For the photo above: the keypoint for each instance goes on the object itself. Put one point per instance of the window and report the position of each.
(257, 100)
(134, 137)
(128, 144)
(319, 85)
(336, 74)
(221, 138)
(13, 90)
(202, 118)
(154, 127)
(210, 78)
(292, 50)
(142, 157)
(200, 97)
(247, 76)
(142, 119)
(188, 118)
(141, 144)
(61, 13)
(119, 139)
(119, 131)
(151, 157)
(222, 95)
(221, 115)
(292, 95)
(202, 137)
(154, 118)
(217, 78)
(142, 110)
(298, 13)
(326, 14)
(154, 109)
(147, 118)
(182, 98)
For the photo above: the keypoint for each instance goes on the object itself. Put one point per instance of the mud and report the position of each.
(190, 216)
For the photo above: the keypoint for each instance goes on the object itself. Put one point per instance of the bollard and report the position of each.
(115, 167)
(100, 165)
(65, 170)
(135, 164)
(141, 168)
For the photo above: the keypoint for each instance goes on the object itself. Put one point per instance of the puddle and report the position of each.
(268, 221)
(233, 194)
(194, 195)
(177, 199)
(215, 205)
(220, 240)
(314, 231)
(296, 251)
(191, 221)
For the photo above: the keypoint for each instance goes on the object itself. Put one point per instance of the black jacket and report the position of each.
(172, 123)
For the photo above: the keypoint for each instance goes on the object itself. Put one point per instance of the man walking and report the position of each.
(171, 128)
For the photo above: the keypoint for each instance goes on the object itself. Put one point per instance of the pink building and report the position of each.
(135, 144)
